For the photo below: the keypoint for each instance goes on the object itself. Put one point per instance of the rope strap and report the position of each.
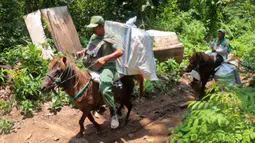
(81, 91)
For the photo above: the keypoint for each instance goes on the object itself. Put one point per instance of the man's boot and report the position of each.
(114, 118)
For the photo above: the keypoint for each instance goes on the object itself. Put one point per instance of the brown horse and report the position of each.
(63, 74)
(203, 64)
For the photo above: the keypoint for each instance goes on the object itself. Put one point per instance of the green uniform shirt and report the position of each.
(106, 49)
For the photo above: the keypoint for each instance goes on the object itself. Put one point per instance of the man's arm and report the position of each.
(223, 50)
(113, 56)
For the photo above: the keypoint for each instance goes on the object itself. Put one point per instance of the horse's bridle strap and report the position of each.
(81, 91)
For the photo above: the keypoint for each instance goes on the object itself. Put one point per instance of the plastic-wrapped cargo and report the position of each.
(228, 73)
(138, 57)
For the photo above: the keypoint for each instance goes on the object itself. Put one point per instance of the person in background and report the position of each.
(220, 46)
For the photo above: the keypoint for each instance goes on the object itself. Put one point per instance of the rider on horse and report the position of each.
(103, 51)
(220, 46)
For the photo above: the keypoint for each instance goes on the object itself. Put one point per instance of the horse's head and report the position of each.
(59, 69)
(194, 61)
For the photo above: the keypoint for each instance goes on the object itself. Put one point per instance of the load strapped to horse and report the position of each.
(82, 86)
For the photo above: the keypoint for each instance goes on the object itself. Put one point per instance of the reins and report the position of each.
(67, 74)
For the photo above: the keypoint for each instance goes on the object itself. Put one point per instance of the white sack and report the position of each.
(138, 57)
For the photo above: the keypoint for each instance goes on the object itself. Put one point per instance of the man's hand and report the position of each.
(101, 61)
(80, 53)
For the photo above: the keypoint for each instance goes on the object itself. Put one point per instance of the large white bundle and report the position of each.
(138, 57)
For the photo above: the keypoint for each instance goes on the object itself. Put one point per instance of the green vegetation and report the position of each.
(3, 75)
(168, 73)
(5, 106)
(5, 125)
(26, 77)
(59, 100)
(227, 116)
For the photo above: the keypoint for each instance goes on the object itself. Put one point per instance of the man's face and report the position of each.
(99, 30)
(220, 35)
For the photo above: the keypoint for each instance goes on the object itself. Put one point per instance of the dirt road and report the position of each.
(149, 122)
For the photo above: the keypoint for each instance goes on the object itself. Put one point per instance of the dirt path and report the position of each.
(149, 122)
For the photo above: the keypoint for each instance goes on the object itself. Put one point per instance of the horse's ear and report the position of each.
(194, 50)
(64, 59)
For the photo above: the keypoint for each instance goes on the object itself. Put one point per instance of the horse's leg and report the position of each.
(129, 105)
(204, 81)
(97, 126)
(139, 78)
(128, 86)
(119, 109)
(202, 92)
(81, 121)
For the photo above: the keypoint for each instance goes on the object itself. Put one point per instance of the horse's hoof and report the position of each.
(79, 135)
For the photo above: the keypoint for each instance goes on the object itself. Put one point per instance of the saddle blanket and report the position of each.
(116, 83)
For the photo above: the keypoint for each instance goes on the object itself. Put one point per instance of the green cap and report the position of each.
(95, 21)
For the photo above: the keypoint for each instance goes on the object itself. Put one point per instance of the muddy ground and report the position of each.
(150, 120)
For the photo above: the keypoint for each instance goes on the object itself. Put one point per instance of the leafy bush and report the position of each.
(29, 70)
(227, 116)
(5, 106)
(26, 107)
(193, 36)
(169, 70)
(12, 25)
(11, 55)
(3, 75)
(58, 100)
(155, 87)
(28, 74)
(249, 60)
(5, 125)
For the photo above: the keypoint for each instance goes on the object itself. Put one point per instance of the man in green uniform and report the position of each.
(106, 56)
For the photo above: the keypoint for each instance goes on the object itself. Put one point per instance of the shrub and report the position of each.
(29, 70)
(227, 116)
(168, 72)
(5, 106)
(26, 107)
(3, 75)
(58, 100)
(5, 125)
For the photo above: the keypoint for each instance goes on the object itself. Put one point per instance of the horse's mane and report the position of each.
(68, 63)
(205, 57)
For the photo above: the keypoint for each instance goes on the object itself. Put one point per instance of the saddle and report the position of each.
(116, 80)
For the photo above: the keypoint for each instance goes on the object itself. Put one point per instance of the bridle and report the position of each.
(65, 76)
(62, 78)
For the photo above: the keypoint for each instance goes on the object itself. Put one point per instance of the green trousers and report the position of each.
(105, 86)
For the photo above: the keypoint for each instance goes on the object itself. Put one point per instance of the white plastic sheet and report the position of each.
(228, 73)
(138, 57)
